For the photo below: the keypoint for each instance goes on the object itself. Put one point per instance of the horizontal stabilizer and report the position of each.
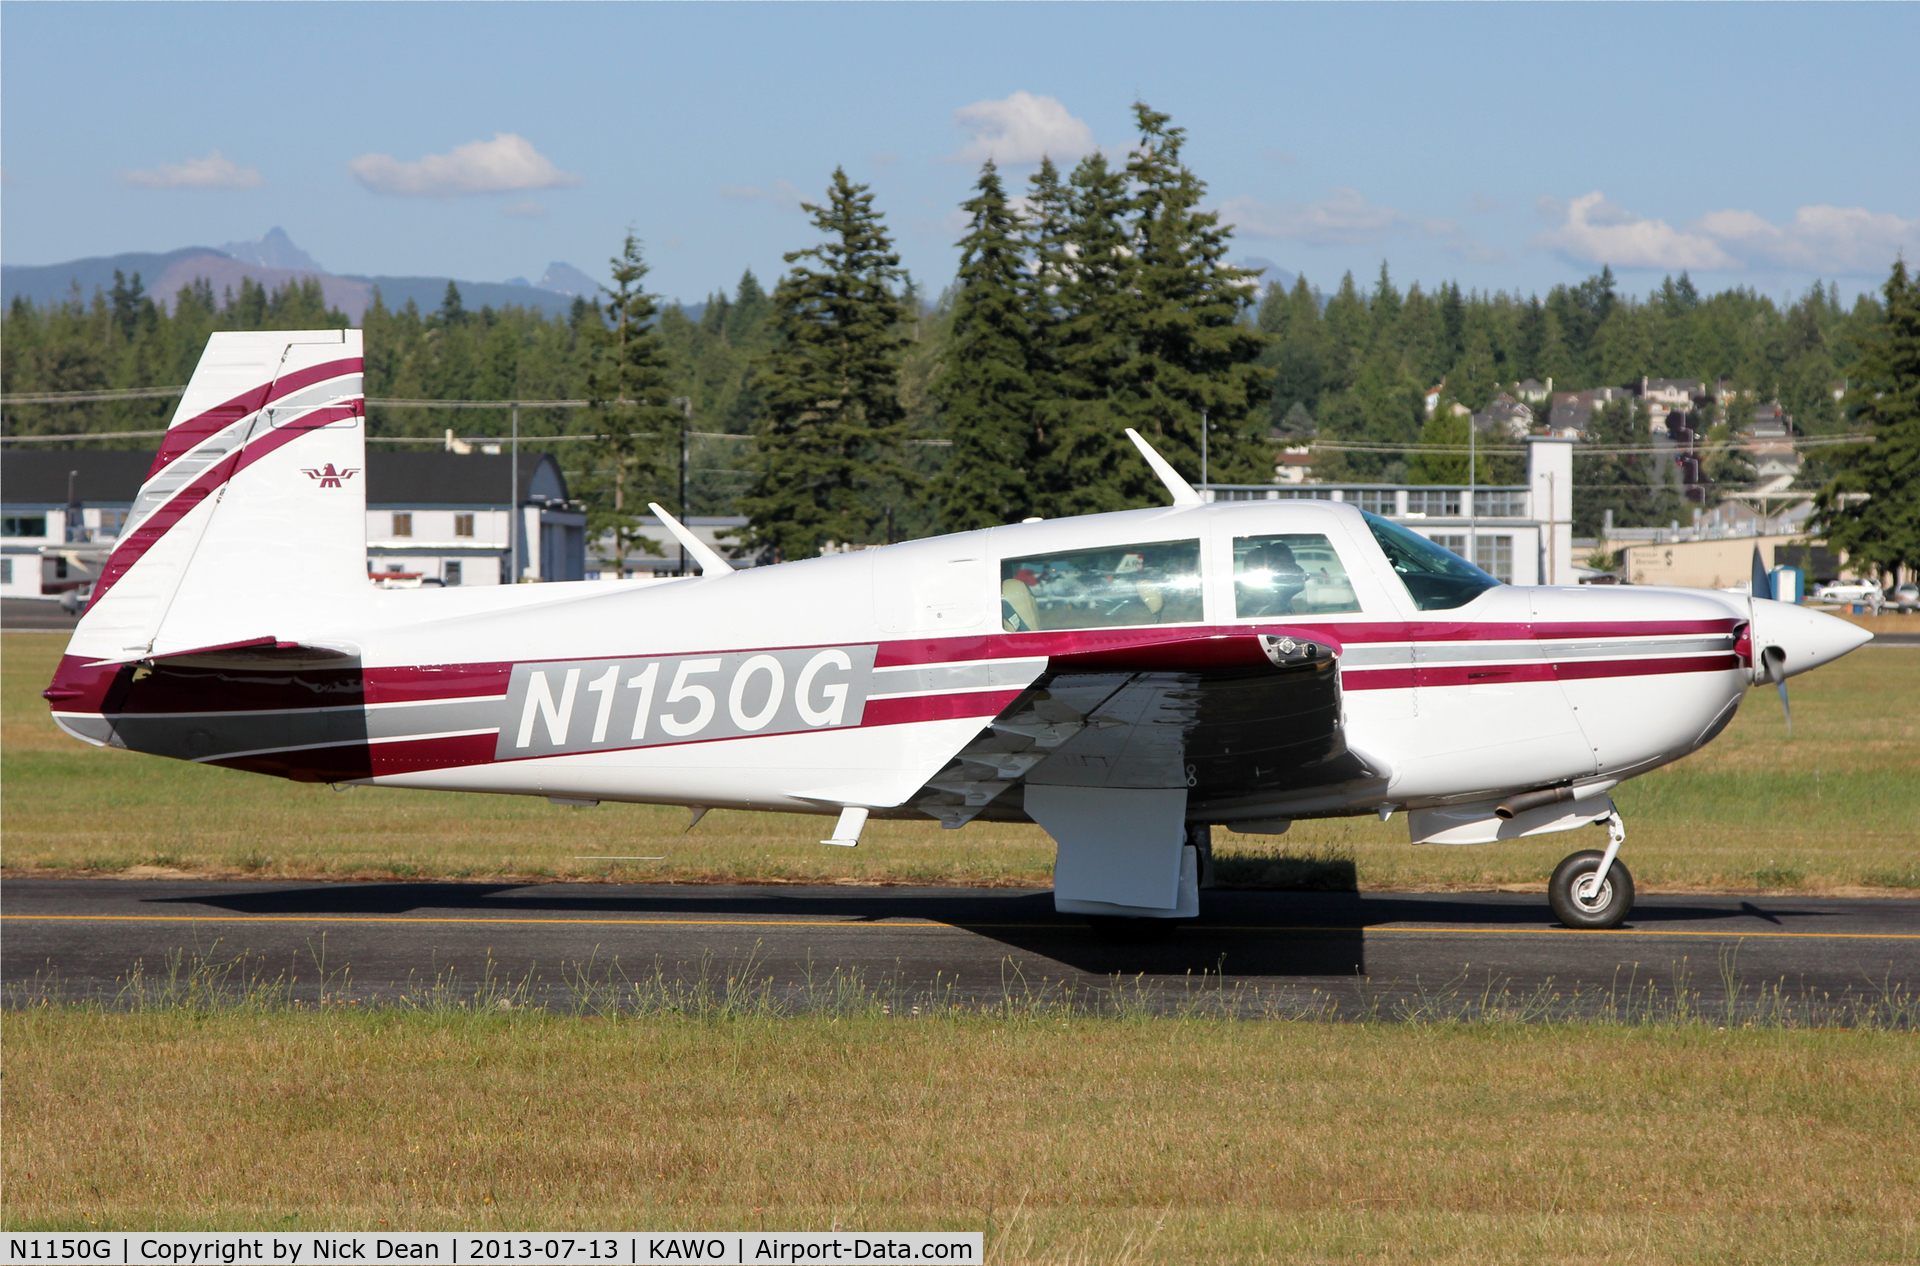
(279, 646)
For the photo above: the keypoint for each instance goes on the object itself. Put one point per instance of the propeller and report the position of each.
(1772, 660)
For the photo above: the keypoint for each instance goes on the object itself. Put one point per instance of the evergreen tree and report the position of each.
(1442, 455)
(1293, 353)
(1473, 380)
(748, 312)
(1871, 509)
(1196, 354)
(985, 388)
(630, 411)
(1044, 238)
(452, 310)
(833, 425)
(1088, 465)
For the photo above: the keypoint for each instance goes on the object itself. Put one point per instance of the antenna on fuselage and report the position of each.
(1183, 493)
(711, 563)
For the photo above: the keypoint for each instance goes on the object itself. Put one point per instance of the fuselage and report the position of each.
(855, 678)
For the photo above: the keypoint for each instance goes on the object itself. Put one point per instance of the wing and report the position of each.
(1251, 736)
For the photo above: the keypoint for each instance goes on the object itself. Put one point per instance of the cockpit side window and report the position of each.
(1437, 579)
(1292, 573)
(1117, 586)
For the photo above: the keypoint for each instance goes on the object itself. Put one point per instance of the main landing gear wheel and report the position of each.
(1120, 929)
(1579, 903)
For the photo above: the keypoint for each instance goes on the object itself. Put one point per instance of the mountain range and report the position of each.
(274, 260)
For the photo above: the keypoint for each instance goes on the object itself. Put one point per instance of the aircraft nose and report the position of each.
(1807, 639)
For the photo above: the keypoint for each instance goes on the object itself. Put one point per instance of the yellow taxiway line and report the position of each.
(510, 920)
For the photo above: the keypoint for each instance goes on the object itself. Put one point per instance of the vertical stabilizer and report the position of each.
(252, 522)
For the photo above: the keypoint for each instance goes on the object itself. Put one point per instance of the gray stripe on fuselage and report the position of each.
(212, 735)
(917, 679)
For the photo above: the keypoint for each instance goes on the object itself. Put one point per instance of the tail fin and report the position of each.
(252, 522)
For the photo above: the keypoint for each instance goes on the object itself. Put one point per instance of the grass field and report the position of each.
(1833, 809)
(1065, 1139)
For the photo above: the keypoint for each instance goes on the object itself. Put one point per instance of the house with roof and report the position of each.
(1661, 396)
(1572, 412)
(1532, 390)
(1295, 466)
(1505, 417)
(433, 518)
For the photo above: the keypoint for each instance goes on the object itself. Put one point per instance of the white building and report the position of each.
(1520, 533)
(445, 518)
(432, 518)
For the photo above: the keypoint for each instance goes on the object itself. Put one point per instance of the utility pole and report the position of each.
(1203, 451)
(513, 503)
(1473, 508)
(686, 420)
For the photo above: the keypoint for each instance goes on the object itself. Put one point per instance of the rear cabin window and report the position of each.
(1437, 579)
(1292, 573)
(1116, 587)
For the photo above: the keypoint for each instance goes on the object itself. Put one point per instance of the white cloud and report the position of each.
(1820, 239)
(1342, 218)
(1020, 131)
(505, 164)
(781, 193)
(1598, 232)
(215, 171)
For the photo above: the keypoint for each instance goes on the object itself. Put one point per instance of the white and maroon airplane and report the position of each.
(1127, 681)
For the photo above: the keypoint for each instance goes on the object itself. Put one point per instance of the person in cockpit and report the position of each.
(1268, 580)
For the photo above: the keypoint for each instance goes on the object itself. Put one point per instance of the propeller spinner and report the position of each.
(1789, 639)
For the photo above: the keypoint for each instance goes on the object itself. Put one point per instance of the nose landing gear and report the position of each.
(1592, 890)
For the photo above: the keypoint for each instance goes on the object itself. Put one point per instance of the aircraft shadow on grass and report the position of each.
(1285, 934)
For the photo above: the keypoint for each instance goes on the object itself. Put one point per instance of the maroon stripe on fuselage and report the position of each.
(979, 703)
(438, 681)
(1497, 674)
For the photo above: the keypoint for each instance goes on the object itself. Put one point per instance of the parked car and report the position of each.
(1907, 598)
(1867, 591)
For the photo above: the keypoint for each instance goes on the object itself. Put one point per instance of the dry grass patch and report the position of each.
(1831, 810)
(1066, 1138)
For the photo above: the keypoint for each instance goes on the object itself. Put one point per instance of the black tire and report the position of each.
(1120, 929)
(1611, 907)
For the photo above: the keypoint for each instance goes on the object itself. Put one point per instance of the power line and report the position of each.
(1590, 450)
(82, 397)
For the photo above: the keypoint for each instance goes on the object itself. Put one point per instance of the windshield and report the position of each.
(1437, 579)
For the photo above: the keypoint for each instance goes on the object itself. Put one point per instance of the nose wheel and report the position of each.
(1592, 890)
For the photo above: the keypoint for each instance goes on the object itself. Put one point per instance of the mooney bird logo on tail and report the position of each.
(328, 476)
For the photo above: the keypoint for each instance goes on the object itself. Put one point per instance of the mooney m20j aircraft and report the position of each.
(1127, 681)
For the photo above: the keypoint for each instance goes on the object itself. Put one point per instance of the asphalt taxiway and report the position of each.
(1351, 953)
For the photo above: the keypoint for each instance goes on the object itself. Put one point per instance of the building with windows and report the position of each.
(1522, 534)
(432, 518)
(444, 518)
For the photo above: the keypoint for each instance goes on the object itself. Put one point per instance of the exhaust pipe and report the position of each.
(1515, 805)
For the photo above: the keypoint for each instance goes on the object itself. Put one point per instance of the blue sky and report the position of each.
(1506, 146)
